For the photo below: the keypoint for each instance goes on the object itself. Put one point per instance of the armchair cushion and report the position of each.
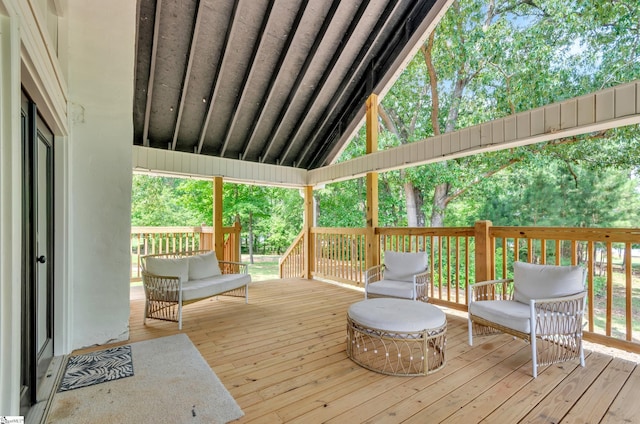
(391, 288)
(203, 266)
(168, 267)
(533, 281)
(402, 266)
(507, 313)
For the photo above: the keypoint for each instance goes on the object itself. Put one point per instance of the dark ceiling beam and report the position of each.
(247, 75)
(215, 86)
(325, 76)
(272, 81)
(403, 33)
(294, 88)
(187, 72)
(152, 72)
(359, 63)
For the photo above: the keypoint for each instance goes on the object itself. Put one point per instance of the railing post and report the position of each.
(307, 224)
(483, 250)
(372, 256)
(218, 231)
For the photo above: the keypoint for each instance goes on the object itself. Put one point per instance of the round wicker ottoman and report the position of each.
(396, 336)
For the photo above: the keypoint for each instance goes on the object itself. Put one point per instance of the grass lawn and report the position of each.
(263, 268)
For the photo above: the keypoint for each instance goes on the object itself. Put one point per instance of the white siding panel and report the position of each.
(428, 149)
(569, 114)
(414, 153)
(455, 142)
(523, 125)
(497, 132)
(465, 143)
(437, 146)
(605, 105)
(510, 132)
(586, 109)
(625, 100)
(537, 121)
(152, 159)
(446, 143)
(141, 158)
(201, 165)
(486, 134)
(474, 136)
(209, 170)
(420, 151)
(189, 164)
(552, 118)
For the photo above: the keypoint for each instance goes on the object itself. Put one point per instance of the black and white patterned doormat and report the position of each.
(97, 367)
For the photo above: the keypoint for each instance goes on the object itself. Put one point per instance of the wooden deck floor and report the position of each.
(283, 359)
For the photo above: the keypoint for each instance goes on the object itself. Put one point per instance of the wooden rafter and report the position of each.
(325, 76)
(187, 73)
(301, 74)
(272, 81)
(247, 75)
(215, 85)
(152, 72)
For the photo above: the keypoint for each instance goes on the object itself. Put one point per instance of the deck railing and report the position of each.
(339, 254)
(459, 256)
(152, 240)
(294, 265)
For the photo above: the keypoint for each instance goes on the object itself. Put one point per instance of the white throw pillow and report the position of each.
(402, 266)
(168, 267)
(533, 281)
(203, 266)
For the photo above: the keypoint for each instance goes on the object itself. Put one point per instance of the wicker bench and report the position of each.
(172, 280)
(396, 336)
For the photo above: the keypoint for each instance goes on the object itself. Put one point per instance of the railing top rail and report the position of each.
(293, 245)
(426, 231)
(155, 230)
(614, 235)
(336, 230)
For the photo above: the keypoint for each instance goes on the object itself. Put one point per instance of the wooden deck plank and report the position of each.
(282, 357)
(559, 400)
(625, 408)
(595, 402)
(421, 394)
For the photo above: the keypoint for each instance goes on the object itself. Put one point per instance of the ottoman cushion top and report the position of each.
(396, 315)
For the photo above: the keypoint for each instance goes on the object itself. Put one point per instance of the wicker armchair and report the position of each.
(542, 304)
(403, 275)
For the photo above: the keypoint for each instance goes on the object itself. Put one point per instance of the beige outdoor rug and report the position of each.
(164, 380)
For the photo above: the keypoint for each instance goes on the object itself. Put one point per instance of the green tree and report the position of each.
(489, 59)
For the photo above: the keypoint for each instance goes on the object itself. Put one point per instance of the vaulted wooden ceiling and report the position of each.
(271, 81)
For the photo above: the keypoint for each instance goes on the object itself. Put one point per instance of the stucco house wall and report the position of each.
(84, 89)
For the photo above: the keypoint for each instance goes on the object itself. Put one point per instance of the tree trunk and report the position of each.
(412, 207)
(440, 201)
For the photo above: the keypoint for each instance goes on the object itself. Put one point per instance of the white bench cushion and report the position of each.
(168, 267)
(508, 313)
(397, 315)
(207, 287)
(203, 266)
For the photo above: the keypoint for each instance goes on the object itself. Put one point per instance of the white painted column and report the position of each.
(101, 44)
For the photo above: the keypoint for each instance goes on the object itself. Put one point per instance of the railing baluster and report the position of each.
(609, 288)
(628, 285)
